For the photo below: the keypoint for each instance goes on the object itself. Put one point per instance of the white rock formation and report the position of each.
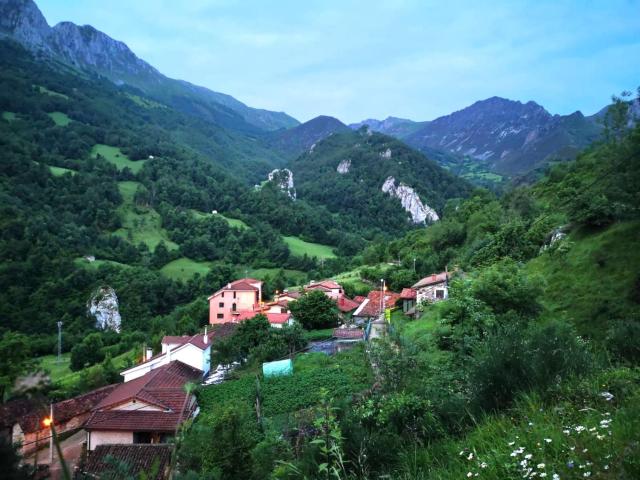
(344, 166)
(103, 306)
(284, 179)
(410, 201)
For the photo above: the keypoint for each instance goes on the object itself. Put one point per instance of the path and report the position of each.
(71, 450)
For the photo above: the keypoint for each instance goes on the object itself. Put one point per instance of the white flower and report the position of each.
(608, 396)
(606, 467)
(461, 452)
(483, 465)
(556, 476)
(586, 474)
(566, 431)
(543, 474)
(528, 456)
(470, 457)
(548, 440)
(511, 444)
(541, 465)
(579, 428)
(469, 475)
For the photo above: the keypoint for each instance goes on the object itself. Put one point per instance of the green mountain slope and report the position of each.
(347, 170)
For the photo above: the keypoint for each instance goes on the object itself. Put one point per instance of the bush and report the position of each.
(315, 310)
(512, 361)
(623, 341)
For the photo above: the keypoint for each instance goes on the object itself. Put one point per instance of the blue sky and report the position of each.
(371, 59)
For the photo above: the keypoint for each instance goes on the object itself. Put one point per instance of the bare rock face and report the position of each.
(386, 154)
(284, 179)
(344, 166)
(22, 20)
(103, 306)
(410, 200)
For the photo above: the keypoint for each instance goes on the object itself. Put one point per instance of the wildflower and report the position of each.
(585, 450)
(606, 467)
(541, 465)
(548, 440)
(483, 465)
(579, 428)
(570, 464)
(567, 432)
(461, 452)
(511, 444)
(556, 476)
(543, 474)
(608, 396)
(599, 437)
(586, 474)
(469, 475)
(531, 424)
(470, 457)
(528, 456)
(523, 463)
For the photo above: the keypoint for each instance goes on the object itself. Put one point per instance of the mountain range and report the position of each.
(499, 135)
(88, 49)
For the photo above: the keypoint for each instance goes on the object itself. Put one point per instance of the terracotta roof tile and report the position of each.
(408, 294)
(139, 458)
(432, 280)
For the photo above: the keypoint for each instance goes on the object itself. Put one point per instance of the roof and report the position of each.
(292, 294)
(244, 284)
(162, 387)
(408, 294)
(345, 304)
(325, 284)
(432, 280)
(372, 307)
(29, 414)
(348, 333)
(139, 458)
(359, 298)
(275, 318)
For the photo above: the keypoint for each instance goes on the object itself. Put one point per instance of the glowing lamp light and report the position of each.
(46, 421)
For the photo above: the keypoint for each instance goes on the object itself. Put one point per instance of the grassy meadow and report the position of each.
(116, 157)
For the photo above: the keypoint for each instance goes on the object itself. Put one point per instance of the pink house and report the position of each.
(330, 288)
(244, 295)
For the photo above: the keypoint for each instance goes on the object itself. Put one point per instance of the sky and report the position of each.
(353, 60)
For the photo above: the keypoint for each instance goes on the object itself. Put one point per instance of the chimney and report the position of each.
(168, 353)
(205, 338)
(149, 354)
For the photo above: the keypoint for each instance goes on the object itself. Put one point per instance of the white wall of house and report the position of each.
(101, 437)
(188, 353)
(137, 405)
(432, 293)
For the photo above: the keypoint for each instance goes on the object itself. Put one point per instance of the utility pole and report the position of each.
(59, 341)
(414, 265)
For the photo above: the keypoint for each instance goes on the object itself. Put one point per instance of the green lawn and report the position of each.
(59, 171)
(297, 276)
(60, 119)
(8, 116)
(82, 263)
(62, 376)
(144, 102)
(46, 91)
(140, 224)
(115, 156)
(299, 247)
(233, 222)
(184, 269)
(581, 283)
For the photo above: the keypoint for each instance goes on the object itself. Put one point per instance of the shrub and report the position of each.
(623, 340)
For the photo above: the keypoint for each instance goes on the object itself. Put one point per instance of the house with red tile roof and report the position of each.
(433, 288)
(21, 420)
(147, 409)
(150, 461)
(330, 288)
(408, 296)
(276, 319)
(373, 305)
(193, 350)
(244, 295)
(346, 305)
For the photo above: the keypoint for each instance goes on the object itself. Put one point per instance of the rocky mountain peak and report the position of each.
(23, 20)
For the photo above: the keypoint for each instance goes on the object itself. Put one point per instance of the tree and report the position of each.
(315, 310)
(87, 352)
(15, 359)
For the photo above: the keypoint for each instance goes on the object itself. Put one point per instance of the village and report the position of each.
(136, 421)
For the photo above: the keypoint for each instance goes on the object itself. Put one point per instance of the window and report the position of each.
(222, 294)
(141, 437)
(233, 307)
(221, 304)
(234, 294)
(221, 315)
(440, 294)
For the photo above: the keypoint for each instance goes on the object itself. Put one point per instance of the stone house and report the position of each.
(433, 288)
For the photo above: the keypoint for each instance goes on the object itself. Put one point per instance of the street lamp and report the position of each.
(59, 341)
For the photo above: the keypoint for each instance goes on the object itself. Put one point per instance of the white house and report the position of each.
(194, 351)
